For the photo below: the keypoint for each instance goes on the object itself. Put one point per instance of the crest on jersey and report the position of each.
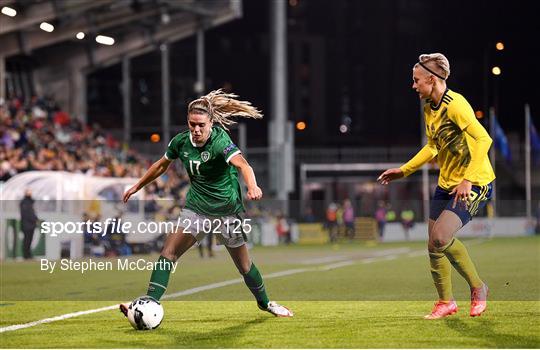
(205, 156)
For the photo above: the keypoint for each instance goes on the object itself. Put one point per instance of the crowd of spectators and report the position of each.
(37, 135)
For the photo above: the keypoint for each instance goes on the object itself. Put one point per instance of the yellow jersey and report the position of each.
(459, 141)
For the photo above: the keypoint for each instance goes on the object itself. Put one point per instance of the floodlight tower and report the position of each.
(281, 160)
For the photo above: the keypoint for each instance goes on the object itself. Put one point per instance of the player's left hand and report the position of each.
(254, 194)
(462, 192)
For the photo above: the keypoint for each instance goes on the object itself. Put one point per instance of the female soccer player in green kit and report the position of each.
(461, 145)
(212, 161)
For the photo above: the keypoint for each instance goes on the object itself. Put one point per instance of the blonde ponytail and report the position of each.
(222, 106)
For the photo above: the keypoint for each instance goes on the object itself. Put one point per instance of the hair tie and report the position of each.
(432, 72)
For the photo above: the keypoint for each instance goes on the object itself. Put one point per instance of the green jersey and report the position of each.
(214, 190)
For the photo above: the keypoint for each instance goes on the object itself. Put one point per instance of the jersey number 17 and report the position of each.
(197, 165)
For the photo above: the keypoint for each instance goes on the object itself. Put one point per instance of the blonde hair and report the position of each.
(435, 63)
(221, 107)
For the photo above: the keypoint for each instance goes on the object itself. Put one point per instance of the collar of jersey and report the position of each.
(436, 108)
(195, 145)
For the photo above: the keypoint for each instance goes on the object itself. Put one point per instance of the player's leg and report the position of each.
(250, 272)
(459, 257)
(457, 252)
(175, 246)
(254, 281)
(441, 269)
(444, 241)
(441, 273)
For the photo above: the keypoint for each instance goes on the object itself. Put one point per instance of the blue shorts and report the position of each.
(465, 210)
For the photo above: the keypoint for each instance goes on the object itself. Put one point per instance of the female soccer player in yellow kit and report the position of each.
(461, 145)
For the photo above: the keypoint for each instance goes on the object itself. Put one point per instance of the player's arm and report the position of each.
(479, 148)
(427, 153)
(151, 174)
(254, 192)
(462, 114)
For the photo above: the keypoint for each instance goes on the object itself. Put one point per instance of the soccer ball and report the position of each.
(145, 313)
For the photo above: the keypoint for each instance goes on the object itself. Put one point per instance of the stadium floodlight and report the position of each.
(496, 70)
(80, 35)
(105, 40)
(8, 11)
(155, 138)
(46, 27)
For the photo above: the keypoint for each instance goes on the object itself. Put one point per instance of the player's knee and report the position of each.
(169, 254)
(244, 267)
(438, 238)
(439, 243)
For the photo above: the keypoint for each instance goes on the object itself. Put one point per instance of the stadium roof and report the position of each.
(137, 26)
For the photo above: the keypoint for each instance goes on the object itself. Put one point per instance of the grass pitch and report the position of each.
(343, 296)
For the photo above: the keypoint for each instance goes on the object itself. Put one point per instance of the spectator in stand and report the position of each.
(283, 229)
(537, 228)
(208, 242)
(28, 223)
(309, 216)
(407, 221)
(348, 219)
(331, 222)
(339, 220)
(380, 217)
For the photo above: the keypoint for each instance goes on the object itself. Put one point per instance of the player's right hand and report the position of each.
(129, 193)
(390, 175)
(254, 194)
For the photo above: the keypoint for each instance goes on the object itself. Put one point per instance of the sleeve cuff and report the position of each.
(232, 155)
(404, 170)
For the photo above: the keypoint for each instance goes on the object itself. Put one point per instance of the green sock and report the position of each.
(441, 272)
(160, 278)
(460, 259)
(255, 284)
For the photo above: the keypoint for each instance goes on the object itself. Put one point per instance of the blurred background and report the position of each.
(93, 91)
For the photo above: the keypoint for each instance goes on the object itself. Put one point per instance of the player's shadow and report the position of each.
(483, 329)
(228, 337)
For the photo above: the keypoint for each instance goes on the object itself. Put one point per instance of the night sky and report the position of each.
(347, 58)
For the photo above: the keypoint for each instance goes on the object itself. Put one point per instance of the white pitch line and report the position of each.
(229, 283)
(337, 265)
(200, 289)
(56, 318)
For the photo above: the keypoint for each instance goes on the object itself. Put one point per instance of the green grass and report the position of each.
(368, 305)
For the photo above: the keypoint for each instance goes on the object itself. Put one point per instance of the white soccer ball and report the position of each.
(145, 313)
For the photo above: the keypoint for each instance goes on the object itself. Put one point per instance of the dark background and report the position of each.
(346, 58)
